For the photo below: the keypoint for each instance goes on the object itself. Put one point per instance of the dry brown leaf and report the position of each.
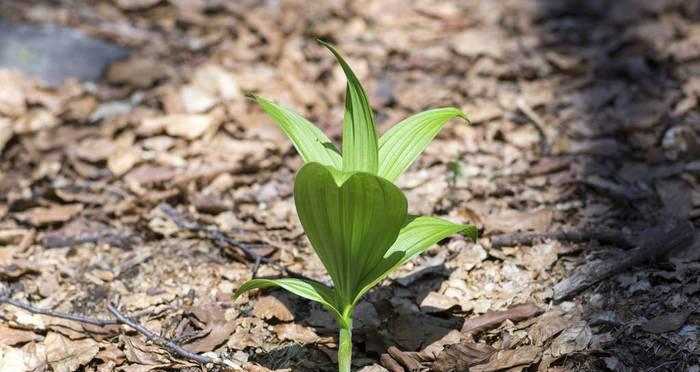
(510, 220)
(502, 360)
(270, 307)
(66, 355)
(189, 126)
(13, 336)
(137, 71)
(12, 98)
(666, 322)
(573, 339)
(459, 357)
(195, 100)
(435, 302)
(547, 326)
(139, 353)
(43, 216)
(295, 332)
(6, 132)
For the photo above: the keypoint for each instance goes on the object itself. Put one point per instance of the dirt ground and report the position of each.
(162, 189)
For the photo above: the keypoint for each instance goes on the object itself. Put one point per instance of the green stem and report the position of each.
(345, 347)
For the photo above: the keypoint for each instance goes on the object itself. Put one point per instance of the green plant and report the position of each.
(354, 216)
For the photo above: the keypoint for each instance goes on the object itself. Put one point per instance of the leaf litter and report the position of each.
(85, 167)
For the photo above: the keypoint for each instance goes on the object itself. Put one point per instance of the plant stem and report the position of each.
(345, 348)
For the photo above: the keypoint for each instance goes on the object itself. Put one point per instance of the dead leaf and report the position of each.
(66, 355)
(493, 318)
(270, 307)
(510, 220)
(6, 132)
(189, 126)
(573, 339)
(459, 357)
(295, 332)
(502, 360)
(44, 216)
(435, 302)
(12, 99)
(666, 322)
(136, 71)
(195, 100)
(547, 326)
(13, 336)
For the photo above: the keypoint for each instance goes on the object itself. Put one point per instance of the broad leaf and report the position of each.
(359, 132)
(305, 288)
(417, 235)
(351, 220)
(402, 144)
(310, 142)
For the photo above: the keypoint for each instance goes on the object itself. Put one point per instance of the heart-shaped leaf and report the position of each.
(351, 220)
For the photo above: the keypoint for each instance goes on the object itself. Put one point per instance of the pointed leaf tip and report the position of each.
(360, 149)
(401, 145)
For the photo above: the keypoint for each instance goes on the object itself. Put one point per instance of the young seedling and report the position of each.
(354, 216)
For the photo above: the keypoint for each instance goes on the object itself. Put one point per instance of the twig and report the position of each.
(657, 242)
(217, 235)
(577, 236)
(406, 360)
(122, 319)
(158, 340)
(537, 122)
(389, 363)
(494, 318)
(57, 314)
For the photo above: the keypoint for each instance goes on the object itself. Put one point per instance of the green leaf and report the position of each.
(305, 288)
(310, 142)
(359, 132)
(417, 235)
(350, 220)
(402, 144)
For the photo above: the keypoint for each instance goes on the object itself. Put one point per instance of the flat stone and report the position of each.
(54, 53)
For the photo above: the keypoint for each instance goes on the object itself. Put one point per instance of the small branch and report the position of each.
(493, 319)
(657, 241)
(159, 340)
(57, 314)
(218, 236)
(577, 236)
(123, 319)
(537, 122)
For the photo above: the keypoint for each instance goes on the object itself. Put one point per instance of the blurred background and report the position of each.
(123, 124)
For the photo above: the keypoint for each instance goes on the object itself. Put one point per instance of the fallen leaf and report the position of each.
(666, 322)
(547, 326)
(571, 340)
(137, 71)
(522, 356)
(44, 216)
(6, 132)
(189, 126)
(13, 336)
(270, 307)
(459, 357)
(12, 99)
(195, 100)
(295, 332)
(66, 355)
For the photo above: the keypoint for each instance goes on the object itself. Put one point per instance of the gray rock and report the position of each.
(54, 53)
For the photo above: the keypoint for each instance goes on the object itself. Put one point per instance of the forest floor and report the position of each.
(162, 188)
